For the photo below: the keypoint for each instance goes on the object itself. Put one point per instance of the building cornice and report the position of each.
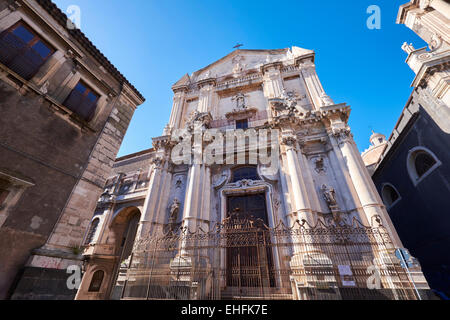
(85, 43)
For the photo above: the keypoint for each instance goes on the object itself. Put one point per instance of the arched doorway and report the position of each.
(124, 228)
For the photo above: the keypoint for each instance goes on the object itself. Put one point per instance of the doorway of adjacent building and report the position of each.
(249, 257)
(125, 228)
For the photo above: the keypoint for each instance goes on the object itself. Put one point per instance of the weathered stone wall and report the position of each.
(420, 216)
(59, 161)
(48, 151)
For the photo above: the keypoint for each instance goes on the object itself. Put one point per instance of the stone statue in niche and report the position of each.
(239, 66)
(174, 210)
(329, 194)
(240, 101)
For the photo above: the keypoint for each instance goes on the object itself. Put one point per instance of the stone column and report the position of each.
(314, 86)
(364, 186)
(177, 108)
(206, 199)
(273, 83)
(192, 201)
(206, 98)
(299, 198)
(152, 198)
(163, 203)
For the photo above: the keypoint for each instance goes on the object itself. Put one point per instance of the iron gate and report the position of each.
(245, 259)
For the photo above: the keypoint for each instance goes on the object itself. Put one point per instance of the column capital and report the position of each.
(289, 140)
(342, 135)
(158, 162)
(161, 143)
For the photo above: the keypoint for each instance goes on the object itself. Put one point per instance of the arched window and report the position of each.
(390, 195)
(92, 230)
(421, 162)
(96, 281)
(247, 173)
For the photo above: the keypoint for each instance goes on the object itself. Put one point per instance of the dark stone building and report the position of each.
(413, 173)
(64, 112)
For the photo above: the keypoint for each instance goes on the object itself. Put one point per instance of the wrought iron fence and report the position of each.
(245, 259)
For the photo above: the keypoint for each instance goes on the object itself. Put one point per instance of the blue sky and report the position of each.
(154, 43)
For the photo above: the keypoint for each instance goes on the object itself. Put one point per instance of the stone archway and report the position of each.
(124, 227)
(110, 254)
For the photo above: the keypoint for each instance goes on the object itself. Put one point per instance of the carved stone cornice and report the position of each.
(205, 82)
(277, 65)
(161, 142)
(180, 89)
(303, 58)
(334, 110)
(239, 114)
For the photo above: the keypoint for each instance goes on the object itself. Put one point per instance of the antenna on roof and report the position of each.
(238, 46)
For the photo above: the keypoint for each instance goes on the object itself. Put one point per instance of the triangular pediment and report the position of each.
(184, 81)
(242, 60)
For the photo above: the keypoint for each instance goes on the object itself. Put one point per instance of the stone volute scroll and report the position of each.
(286, 104)
(198, 121)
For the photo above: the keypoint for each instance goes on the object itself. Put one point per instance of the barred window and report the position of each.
(83, 101)
(23, 51)
(248, 173)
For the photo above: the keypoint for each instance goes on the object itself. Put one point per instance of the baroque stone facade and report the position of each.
(196, 218)
(65, 110)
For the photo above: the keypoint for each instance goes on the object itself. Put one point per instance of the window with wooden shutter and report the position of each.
(83, 101)
(23, 51)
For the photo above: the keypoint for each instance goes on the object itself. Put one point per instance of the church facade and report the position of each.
(256, 189)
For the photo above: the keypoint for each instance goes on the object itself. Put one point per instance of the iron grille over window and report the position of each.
(248, 173)
(83, 101)
(23, 51)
